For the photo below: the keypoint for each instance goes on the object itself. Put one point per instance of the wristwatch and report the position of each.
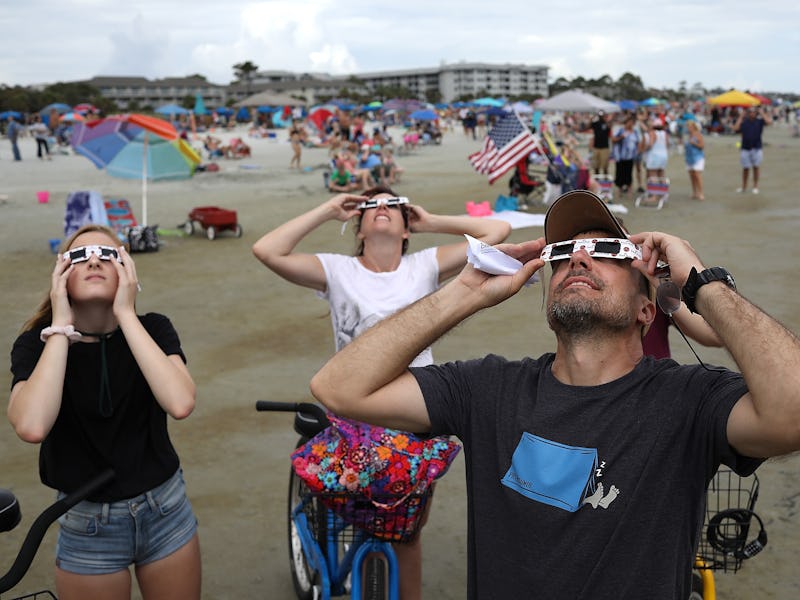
(696, 280)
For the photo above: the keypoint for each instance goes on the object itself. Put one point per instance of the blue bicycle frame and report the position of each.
(333, 571)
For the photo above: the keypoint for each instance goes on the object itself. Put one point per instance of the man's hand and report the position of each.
(678, 253)
(494, 289)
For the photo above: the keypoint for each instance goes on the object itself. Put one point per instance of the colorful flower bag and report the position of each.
(374, 478)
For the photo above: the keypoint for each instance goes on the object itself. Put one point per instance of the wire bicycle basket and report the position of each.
(732, 531)
(389, 518)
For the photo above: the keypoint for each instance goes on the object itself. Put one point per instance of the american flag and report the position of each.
(508, 142)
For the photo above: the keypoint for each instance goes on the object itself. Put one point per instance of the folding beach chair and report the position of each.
(655, 195)
(120, 216)
(524, 185)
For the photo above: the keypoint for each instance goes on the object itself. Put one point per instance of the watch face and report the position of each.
(718, 274)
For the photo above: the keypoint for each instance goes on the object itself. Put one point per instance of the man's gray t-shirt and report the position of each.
(584, 492)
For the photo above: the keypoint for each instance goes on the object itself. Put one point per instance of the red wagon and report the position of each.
(213, 219)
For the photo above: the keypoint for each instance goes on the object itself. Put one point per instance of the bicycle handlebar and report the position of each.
(309, 418)
(43, 521)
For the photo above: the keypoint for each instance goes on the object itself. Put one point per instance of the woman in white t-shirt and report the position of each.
(378, 281)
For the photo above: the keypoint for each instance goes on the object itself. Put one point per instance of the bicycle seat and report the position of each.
(10, 514)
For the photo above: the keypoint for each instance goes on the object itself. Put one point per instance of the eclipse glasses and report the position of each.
(596, 248)
(84, 253)
(388, 202)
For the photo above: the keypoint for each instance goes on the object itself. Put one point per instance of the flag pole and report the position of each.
(144, 180)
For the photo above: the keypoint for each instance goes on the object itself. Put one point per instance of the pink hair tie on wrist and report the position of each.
(67, 330)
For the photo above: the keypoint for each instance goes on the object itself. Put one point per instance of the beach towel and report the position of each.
(84, 207)
(120, 216)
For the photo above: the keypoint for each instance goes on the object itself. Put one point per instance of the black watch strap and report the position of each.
(697, 280)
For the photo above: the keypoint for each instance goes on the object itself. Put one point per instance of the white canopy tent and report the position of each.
(270, 99)
(577, 101)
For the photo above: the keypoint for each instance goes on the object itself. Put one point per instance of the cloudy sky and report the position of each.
(724, 43)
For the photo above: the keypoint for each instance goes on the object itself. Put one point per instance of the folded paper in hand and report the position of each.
(490, 260)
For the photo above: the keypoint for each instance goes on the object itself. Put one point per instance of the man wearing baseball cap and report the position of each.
(587, 467)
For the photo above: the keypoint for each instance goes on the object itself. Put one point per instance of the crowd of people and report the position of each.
(51, 132)
(94, 382)
(637, 145)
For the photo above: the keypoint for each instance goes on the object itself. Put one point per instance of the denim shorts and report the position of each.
(101, 538)
(751, 158)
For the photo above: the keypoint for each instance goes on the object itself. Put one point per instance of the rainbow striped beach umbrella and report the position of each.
(135, 146)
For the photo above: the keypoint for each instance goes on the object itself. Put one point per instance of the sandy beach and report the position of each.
(249, 335)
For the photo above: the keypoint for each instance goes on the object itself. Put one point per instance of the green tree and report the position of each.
(433, 96)
(73, 93)
(630, 86)
(562, 84)
(244, 71)
(387, 92)
(697, 91)
(16, 98)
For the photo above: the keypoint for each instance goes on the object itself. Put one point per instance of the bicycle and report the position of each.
(727, 538)
(340, 543)
(10, 517)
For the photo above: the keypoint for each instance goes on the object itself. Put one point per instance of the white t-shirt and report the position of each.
(359, 298)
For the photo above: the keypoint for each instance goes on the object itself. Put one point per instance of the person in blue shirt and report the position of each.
(626, 146)
(695, 158)
(13, 132)
(369, 162)
(751, 125)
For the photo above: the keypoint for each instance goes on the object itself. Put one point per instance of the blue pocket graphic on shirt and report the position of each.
(552, 473)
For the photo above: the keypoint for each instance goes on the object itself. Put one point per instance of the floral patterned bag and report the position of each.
(374, 478)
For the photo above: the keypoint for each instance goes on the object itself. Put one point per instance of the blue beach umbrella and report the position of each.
(199, 106)
(10, 113)
(496, 111)
(243, 115)
(628, 104)
(487, 101)
(423, 115)
(59, 107)
(171, 109)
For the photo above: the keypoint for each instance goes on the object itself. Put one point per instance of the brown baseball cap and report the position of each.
(578, 211)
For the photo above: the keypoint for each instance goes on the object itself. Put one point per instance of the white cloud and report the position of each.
(333, 58)
(740, 43)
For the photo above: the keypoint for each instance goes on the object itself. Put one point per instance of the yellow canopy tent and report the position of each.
(734, 98)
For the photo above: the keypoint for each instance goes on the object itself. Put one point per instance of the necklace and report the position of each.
(105, 405)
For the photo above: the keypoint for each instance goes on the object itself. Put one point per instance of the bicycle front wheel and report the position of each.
(304, 576)
(375, 577)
